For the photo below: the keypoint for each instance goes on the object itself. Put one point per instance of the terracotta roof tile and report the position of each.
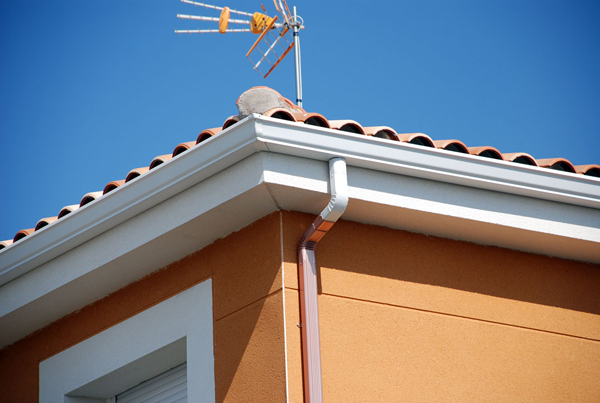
(451, 145)
(591, 170)
(67, 210)
(313, 119)
(520, 158)
(208, 133)
(45, 221)
(134, 173)
(280, 113)
(560, 164)
(420, 139)
(160, 160)
(23, 233)
(383, 132)
(290, 112)
(183, 147)
(110, 186)
(230, 121)
(89, 197)
(349, 126)
(485, 151)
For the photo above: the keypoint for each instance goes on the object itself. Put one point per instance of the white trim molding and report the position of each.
(175, 331)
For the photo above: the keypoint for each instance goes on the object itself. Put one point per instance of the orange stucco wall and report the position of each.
(404, 317)
(247, 309)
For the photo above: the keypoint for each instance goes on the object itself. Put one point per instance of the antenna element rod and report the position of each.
(296, 28)
(202, 18)
(216, 8)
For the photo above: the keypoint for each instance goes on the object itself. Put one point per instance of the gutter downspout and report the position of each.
(309, 310)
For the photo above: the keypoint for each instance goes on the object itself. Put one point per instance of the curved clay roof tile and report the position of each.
(208, 133)
(520, 158)
(230, 121)
(7, 243)
(451, 145)
(350, 126)
(67, 210)
(590, 170)
(23, 233)
(183, 147)
(45, 221)
(382, 132)
(134, 173)
(420, 139)
(280, 113)
(559, 164)
(311, 118)
(316, 119)
(485, 151)
(159, 160)
(89, 197)
(110, 186)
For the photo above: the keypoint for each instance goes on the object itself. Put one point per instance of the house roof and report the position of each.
(290, 112)
(261, 164)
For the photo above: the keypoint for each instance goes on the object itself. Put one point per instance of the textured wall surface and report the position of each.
(404, 317)
(248, 317)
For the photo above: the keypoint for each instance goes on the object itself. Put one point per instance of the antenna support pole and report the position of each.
(296, 28)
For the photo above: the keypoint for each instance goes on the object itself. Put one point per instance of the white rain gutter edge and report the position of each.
(258, 133)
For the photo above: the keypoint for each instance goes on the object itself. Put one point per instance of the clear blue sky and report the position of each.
(92, 89)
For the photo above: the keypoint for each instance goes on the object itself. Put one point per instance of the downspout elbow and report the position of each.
(338, 188)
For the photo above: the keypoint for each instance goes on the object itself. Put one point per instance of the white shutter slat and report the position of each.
(168, 387)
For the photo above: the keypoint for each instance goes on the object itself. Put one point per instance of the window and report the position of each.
(174, 332)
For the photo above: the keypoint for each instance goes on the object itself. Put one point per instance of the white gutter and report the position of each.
(429, 163)
(258, 133)
(307, 273)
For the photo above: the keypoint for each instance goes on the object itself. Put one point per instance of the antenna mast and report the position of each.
(273, 34)
(296, 28)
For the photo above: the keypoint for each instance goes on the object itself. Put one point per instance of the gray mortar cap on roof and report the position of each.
(259, 100)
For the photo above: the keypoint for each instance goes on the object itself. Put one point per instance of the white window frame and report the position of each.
(174, 331)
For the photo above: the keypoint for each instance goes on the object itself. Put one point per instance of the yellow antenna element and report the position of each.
(259, 22)
(275, 39)
(224, 20)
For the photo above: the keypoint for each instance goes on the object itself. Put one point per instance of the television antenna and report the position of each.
(277, 35)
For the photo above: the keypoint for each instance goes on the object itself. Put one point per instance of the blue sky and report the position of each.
(92, 89)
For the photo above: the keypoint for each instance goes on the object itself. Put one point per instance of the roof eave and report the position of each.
(257, 133)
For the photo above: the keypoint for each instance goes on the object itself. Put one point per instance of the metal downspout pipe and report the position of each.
(309, 310)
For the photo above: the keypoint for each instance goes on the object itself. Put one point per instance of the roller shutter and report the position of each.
(168, 387)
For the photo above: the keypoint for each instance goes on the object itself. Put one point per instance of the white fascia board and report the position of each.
(185, 223)
(429, 163)
(129, 200)
(258, 133)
